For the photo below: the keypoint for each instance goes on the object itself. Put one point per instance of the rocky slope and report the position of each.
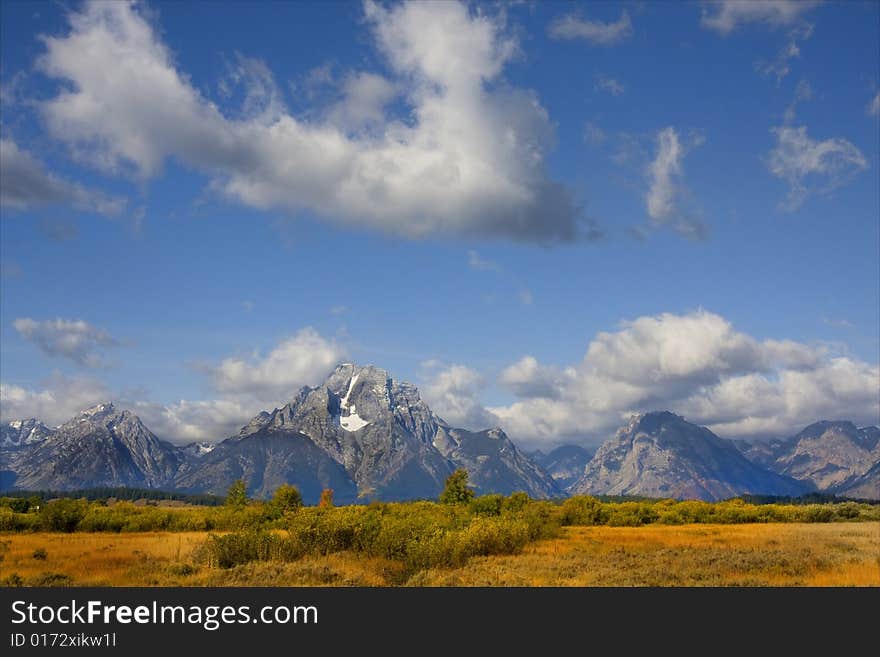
(494, 462)
(102, 446)
(360, 433)
(865, 487)
(366, 436)
(564, 464)
(662, 455)
(831, 455)
(19, 434)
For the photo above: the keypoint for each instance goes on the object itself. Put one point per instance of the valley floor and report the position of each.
(774, 554)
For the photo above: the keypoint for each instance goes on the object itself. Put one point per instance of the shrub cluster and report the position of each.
(586, 510)
(418, 535)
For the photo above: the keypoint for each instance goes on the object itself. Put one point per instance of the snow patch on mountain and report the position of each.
(349, 419)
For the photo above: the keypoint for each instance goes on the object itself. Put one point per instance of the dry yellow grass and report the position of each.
(833, 554)
(94, 559)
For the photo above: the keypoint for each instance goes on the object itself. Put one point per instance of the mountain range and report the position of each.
(368, 436)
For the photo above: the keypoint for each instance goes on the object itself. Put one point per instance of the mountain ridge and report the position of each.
(369, 436)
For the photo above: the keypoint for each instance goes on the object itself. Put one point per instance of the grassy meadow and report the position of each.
(462, 541)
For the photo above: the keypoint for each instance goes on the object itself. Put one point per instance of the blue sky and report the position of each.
(549, 215)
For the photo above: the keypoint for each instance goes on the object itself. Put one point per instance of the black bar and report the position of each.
(503, 619)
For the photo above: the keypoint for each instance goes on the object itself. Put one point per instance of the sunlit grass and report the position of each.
(794, 554)
(839, 554)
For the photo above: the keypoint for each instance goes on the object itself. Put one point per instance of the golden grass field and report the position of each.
(794, 554)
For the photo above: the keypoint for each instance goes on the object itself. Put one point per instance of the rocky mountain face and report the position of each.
(18, 434)
(494, 462)
(16, 439)
(564, 464)
(865, 487)
(832, 455)
(361, 433)
(662, 455)
(366, 436)
(102, 446)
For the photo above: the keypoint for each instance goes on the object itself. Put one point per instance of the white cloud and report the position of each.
(452, 392)
(665, 198)
(365, 96)
(803, 91)
(59, 399)
(810, 166)
(469, 159)
(781, 65)
(26, 184)
(873, 108)
(244, 387)
(304, 358)
(695, 364)
(596, 32)
(724, 16)
(610, 85)
(186, 421)
(74, 339)
(528, 378)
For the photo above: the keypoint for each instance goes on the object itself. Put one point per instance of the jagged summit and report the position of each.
(371, 434)
(832, 454)
(100, 446)
(21, 433)
(104, 408)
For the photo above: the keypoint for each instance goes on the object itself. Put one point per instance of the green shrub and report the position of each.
(584, 510)
(517, 501)
(817, 513)
(287, 498)
(487, 505)
(63, 515)
(456, 490)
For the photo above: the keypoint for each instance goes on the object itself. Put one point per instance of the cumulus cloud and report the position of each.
(187, 421)
(57, 400)
(74, 339)
(304, 358)
(25, 183)
(597, 33)
(810, 166)
(665, 198)
(528, 378)
(724, 16)
(364, 97)
(468, 159)
(695, 364)
(244, 387)
(453, 392)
